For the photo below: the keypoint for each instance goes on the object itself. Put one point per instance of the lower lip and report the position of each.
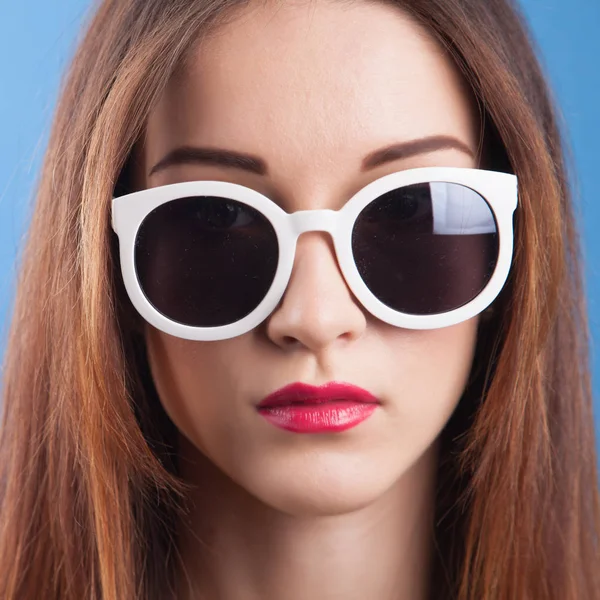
(325, 417)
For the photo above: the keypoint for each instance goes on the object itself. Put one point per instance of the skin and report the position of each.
(276, 514)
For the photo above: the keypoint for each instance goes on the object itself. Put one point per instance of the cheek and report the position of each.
(427, 376)
(188, 377)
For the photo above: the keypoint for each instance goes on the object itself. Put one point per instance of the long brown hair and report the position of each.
(89, 492)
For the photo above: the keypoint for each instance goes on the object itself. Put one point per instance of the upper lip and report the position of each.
(301, 393)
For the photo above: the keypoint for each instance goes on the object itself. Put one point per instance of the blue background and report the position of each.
(38, 36)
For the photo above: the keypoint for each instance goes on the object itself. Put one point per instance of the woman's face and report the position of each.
(312, 88)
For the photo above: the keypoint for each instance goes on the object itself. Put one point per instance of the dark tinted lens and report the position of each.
(205, 261)
(427, 248)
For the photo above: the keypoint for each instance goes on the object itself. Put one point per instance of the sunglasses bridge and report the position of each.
(304, 221)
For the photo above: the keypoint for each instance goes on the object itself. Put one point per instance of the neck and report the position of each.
(234, 547)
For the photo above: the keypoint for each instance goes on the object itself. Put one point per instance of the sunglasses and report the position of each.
(421, 249)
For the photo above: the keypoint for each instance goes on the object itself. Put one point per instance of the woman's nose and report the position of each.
(317, 308)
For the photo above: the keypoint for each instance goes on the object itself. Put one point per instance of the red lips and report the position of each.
(330, 408)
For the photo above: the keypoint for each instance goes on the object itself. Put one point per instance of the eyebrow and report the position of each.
(257, 165)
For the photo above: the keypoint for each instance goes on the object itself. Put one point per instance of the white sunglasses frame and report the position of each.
(498, 189)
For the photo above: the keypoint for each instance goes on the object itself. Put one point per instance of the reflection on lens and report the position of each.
(205, 261)
(427, 248)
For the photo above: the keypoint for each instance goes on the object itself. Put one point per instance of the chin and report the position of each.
(325, 488)
(320, 504)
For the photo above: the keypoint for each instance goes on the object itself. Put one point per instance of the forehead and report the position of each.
(311, 86)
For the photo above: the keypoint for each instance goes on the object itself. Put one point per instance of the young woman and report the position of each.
(300, 315)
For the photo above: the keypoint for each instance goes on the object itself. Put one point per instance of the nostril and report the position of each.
(290, 340)
(348, 336)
